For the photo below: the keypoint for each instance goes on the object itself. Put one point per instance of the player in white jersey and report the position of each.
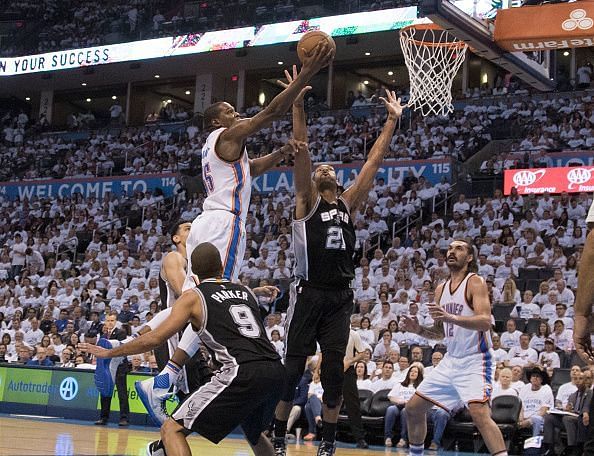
(462, 315)
(227, 172)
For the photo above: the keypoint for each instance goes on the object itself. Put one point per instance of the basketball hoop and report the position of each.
(433, 56)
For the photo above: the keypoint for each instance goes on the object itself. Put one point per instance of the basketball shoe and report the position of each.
(155, 448)
(154, 392)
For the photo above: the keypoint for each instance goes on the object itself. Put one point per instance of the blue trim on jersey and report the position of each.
(239, 187)
(232, 252)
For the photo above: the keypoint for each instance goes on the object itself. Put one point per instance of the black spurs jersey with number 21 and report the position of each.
(324, 245)
(232, 328)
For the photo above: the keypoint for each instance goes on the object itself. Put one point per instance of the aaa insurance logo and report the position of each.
(579, 176)
(524, 178)
(68, 388)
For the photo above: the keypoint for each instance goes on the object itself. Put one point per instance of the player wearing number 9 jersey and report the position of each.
(245, 389)
(321, 298)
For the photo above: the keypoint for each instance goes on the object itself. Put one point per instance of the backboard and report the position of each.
(473, 22)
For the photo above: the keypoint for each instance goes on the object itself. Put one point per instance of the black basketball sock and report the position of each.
(280, 428)
(328, 431)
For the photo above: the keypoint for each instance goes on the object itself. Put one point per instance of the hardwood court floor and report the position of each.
(27, 437)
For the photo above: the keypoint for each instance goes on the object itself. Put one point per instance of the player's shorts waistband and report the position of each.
(322, 286)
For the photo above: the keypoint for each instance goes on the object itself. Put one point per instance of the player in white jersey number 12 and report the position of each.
(462, 315)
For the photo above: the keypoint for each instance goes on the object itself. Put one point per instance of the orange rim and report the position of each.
(432, 26)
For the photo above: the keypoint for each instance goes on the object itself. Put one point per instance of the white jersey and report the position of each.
(462, 342)
(228, 184)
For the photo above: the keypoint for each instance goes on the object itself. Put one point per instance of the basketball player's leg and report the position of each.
(437, 389)
(416, 418)
(481, 417)
(474, 384)
(300, 336)
(333, 336)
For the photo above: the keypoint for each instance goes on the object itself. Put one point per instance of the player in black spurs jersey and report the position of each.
(246, 389)
(321, 296)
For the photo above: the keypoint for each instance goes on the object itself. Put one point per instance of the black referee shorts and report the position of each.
(245, 396)
(318, 315)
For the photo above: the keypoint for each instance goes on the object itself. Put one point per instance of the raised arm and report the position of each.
(232, 139)
(358, 192)
(259, 166)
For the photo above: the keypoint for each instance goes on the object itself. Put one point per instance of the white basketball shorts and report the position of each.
(468, 379)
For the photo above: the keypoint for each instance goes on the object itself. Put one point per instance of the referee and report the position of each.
(584, 302)
(355, 352)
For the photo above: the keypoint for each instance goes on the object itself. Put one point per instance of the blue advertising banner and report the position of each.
(392, 171)
(98, 187)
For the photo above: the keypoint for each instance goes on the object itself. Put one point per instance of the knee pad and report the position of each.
(332, 376)
(294, 366)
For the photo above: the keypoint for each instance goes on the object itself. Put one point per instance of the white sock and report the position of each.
(190, 342)
(172, 371)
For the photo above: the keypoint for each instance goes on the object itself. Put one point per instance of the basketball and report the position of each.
(310, 40)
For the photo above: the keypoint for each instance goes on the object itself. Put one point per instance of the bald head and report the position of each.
(206, 261)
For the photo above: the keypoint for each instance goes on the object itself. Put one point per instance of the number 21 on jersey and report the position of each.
(335, 239)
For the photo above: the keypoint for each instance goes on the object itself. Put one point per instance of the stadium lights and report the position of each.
(84, 84)
(168, 101)
(28, 98)
(88, 100)
(280, 63)
(366, 82)
(157, 76)
(188, 92)
(390, 73)
(114, 97)
(368, 54)
(566, 53)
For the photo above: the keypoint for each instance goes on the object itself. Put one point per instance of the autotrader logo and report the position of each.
(68, 388)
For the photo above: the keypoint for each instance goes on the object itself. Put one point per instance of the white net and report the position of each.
(433, 57)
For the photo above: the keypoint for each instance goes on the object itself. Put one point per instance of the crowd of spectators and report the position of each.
(528, 250)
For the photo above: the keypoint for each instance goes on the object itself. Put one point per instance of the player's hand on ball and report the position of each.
(290, 78)
(318, 57)
(409, 324)
(99, 352)
(393, 104)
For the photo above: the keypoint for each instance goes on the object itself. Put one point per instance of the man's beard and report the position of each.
(324, 185)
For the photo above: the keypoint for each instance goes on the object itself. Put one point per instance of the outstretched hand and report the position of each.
(99, 352)
(290, 78)
(410, 324)
(267, 290)
(318, 57)
(393, 104)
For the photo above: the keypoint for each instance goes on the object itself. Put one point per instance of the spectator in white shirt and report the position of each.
(523, 355)
(526, 309)
(386, 345)
(537, 399)
(385, 381)
(549, 359)
(503, 387)
(567, 389)
(34, 335)
(511, 337)
(562, 337)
